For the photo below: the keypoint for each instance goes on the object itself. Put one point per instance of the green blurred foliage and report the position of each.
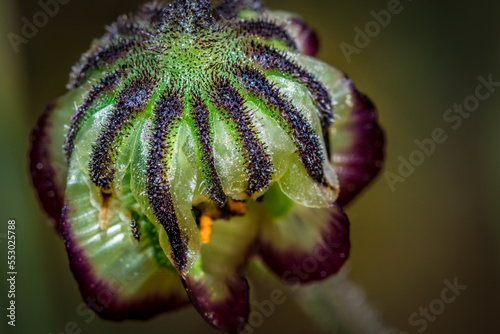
(441, 223)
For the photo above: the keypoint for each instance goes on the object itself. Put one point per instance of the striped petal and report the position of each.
(181, 175)
(357, 142)
(305, 39)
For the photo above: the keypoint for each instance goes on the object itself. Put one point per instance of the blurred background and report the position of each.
(441, 223)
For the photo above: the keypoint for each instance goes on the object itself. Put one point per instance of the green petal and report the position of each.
(136, 276)
(357, 141)
(296, 183)
(48, 166)
(182, 174)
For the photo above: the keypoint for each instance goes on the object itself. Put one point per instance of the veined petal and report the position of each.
(214, 284)
(301, 244)
(356, 140)
(132, 285)
(47, 164)
(121, 274)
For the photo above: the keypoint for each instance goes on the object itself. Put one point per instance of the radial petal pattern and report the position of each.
(194, 137)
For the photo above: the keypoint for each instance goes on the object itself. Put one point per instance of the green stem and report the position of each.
(338, 306)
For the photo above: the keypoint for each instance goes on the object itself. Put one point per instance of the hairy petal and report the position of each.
(357, 142)
(181, 172)
(306, 41)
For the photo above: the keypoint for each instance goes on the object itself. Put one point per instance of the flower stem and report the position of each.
(337, 305)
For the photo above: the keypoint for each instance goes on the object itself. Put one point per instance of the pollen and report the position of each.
(238, 208)
(206, 224)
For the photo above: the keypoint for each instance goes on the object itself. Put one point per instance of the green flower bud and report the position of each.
(192, 134)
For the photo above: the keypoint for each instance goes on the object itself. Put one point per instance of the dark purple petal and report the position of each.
(49, 187)
(110, 296)
(308, 245)
(306, 38)
(358, 160)
(230, 313)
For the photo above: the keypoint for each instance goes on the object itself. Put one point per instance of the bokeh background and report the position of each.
(441, 223)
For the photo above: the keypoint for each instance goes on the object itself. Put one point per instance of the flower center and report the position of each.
(207, 212)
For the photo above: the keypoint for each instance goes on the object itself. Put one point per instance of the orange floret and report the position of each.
(205, 228)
